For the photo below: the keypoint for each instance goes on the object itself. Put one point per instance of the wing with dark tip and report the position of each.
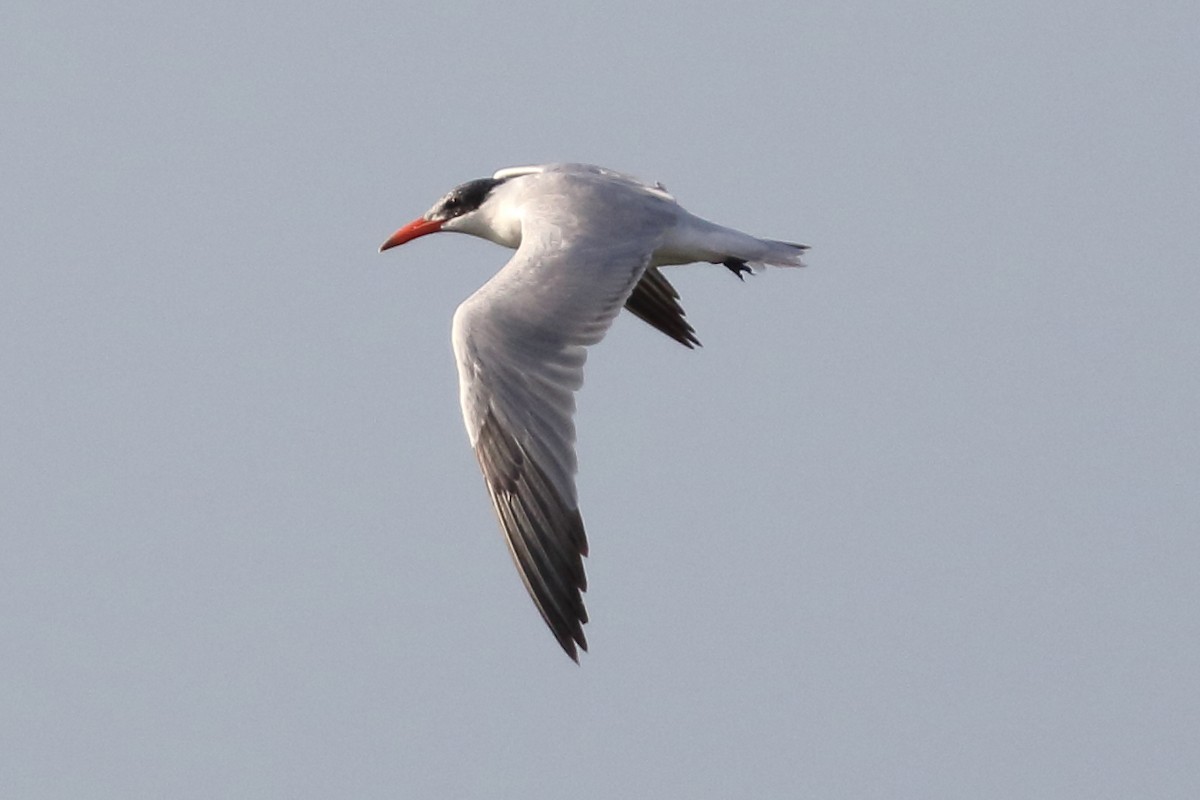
(544, 533)
(520, 343)
(655, 301)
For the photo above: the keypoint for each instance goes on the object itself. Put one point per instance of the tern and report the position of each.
(588, 242)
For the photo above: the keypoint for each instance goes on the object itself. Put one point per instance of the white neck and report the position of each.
(497, 220)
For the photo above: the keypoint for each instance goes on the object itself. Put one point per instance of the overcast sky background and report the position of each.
(918, 521)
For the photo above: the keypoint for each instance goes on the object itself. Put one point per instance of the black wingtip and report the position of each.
(544, 533)
(655, 302)
(572, 643)
(573, 653)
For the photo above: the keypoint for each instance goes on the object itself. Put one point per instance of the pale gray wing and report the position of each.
(520, 345)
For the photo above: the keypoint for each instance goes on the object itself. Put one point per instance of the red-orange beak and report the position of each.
(414, 229)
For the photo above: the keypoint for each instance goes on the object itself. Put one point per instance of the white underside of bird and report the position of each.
(589, 242)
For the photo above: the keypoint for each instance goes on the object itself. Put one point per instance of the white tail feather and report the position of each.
(694, 239)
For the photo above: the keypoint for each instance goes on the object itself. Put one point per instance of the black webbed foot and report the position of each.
(738, 267)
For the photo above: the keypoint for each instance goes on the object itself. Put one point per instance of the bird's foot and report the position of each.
(738, 267)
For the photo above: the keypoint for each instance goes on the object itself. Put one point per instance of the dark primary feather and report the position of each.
(655, 301)
(545, 535)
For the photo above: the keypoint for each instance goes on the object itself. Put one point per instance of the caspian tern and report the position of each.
(589, 241)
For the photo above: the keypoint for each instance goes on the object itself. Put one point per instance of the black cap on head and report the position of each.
(465, 198)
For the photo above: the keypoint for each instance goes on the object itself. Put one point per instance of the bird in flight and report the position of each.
(588, 242)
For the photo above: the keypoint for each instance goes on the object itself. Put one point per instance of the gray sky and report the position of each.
(919, 521)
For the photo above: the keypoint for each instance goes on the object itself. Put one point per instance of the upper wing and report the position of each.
(520, 345)
(590, 170)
